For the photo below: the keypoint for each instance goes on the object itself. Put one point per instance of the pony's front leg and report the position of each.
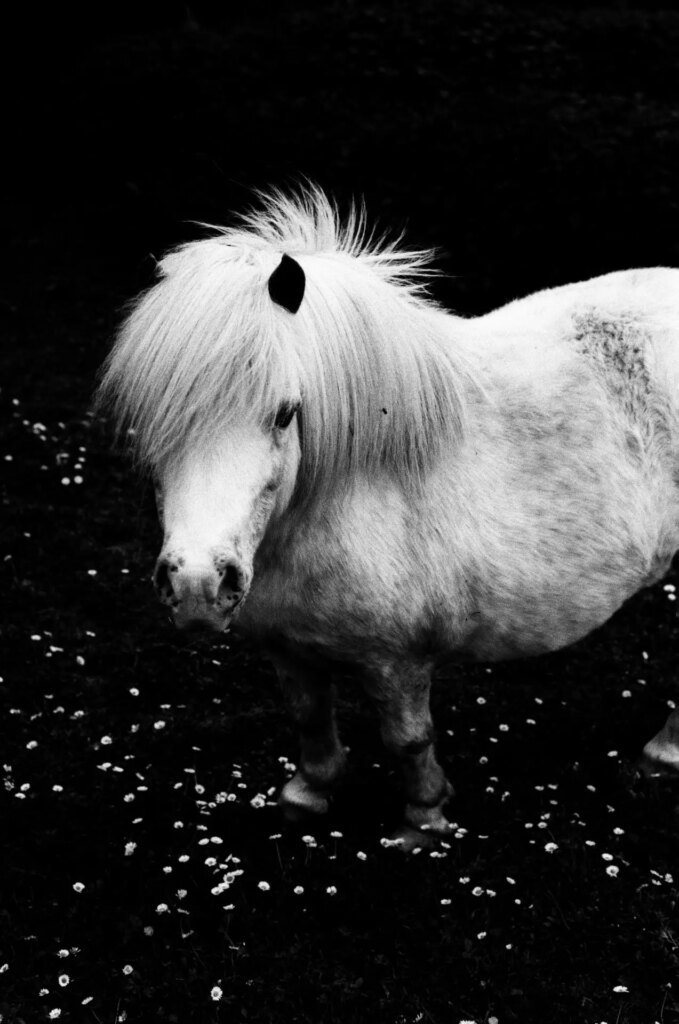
(663, 750)
(322, 757)
(401, 693)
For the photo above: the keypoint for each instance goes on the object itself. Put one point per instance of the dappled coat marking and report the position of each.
(358, 476)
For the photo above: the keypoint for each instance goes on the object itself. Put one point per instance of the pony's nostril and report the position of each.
(232, 582)
(232, 578)
(162, 581)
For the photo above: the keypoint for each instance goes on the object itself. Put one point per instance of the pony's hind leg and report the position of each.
(401, 693)
(322, 757)
(663, 750)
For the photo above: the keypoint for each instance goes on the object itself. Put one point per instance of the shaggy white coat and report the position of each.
(483, 488)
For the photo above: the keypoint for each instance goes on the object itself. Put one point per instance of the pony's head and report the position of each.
(268, 367)
(215, 506)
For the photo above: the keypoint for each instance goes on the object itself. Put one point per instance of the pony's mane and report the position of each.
(381, 380)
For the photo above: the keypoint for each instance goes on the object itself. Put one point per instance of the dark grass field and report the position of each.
(146, 873)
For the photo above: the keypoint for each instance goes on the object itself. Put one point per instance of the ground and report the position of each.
(147, 873)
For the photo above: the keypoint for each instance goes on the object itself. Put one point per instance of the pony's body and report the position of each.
(561, 502)
(453, 488)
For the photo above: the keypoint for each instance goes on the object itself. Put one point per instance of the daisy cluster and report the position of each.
(62, 450)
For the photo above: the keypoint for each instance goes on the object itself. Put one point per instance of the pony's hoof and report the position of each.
(650, 768)
(299, 801)
(428, 820)
(411, 840)
(294, 814)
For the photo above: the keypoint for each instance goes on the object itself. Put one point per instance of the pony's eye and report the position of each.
(284, 416)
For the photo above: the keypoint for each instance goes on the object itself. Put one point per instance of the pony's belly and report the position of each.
(537, 614)
(547, 610)
(497, 642)
(480, 637)
(353, 638)
(536, 629)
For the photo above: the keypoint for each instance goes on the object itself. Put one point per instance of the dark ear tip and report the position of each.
(287, 284)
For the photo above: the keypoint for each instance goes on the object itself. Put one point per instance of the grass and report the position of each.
(145, 771)
(522, 142)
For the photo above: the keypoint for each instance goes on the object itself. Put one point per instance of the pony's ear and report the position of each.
(287, 283)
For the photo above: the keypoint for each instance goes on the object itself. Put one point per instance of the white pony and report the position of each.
(359, 476)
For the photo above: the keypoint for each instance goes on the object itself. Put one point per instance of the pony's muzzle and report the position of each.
(200, 597)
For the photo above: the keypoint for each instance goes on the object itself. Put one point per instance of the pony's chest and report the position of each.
(336, 610)
(341, 594)
(337, 574)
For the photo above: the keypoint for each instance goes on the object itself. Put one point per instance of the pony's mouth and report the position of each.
(200, 626)
(206, 620)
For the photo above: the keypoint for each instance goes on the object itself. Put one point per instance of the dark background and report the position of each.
(534, 144)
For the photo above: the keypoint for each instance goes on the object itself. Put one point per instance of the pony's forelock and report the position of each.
(380, 378)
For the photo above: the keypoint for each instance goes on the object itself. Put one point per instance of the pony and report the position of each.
(358, 477)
